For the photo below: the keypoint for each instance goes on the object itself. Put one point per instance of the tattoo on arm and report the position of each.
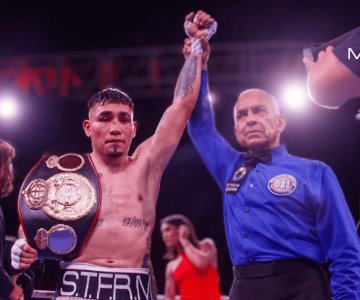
(184, 85)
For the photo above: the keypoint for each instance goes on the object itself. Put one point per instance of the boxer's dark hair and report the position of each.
(110, 95)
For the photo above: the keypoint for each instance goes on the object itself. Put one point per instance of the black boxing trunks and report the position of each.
(86, 281)
(58, 205)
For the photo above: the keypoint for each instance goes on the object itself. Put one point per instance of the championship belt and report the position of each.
(58, 205)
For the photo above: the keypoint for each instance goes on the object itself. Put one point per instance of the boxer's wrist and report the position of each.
(196, 48)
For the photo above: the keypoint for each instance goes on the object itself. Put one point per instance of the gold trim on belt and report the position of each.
(64, 196)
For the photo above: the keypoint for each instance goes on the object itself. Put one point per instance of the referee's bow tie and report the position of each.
(251, 159)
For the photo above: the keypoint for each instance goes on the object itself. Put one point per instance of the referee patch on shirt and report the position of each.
(235, 181)
(283, 184)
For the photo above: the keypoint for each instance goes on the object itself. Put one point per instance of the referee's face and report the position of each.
(258, 123)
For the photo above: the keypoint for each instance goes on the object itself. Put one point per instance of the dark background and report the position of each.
(55, 126)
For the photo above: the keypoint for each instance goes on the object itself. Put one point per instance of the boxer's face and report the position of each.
(170, 235)
(258, 123)
(111, 128)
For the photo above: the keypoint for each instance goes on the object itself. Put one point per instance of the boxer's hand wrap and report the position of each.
(195, 42)
(196, 48)
(210, 30)
(16, 251)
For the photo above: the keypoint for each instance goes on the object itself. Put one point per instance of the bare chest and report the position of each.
(127, 200)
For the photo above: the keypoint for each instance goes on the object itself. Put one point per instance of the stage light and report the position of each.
(295, 96)
(357, 116)
(8, 107)
(213, 97)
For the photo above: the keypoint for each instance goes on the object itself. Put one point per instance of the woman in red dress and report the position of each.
(192, 270)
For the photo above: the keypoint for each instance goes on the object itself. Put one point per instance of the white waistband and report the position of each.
(97, 268)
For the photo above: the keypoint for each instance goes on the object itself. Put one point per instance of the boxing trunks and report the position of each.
(58, 205)
(86, 281)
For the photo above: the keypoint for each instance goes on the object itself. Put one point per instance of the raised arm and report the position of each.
(202, 128)
(169, 131)
(203, 256)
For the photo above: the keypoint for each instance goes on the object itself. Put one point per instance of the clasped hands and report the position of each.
(199, 26)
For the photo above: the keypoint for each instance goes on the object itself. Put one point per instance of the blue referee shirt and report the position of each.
(289, 208)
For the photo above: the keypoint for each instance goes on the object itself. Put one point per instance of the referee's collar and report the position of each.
(279, 151)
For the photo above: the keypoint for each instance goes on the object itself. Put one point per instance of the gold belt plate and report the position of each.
(64, 196)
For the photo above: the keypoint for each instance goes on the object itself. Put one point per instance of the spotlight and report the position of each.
(213, 97)
(8, 107)
(295, 96)
(357, 116)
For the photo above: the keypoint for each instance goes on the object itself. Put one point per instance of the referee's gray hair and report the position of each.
(270, 96)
